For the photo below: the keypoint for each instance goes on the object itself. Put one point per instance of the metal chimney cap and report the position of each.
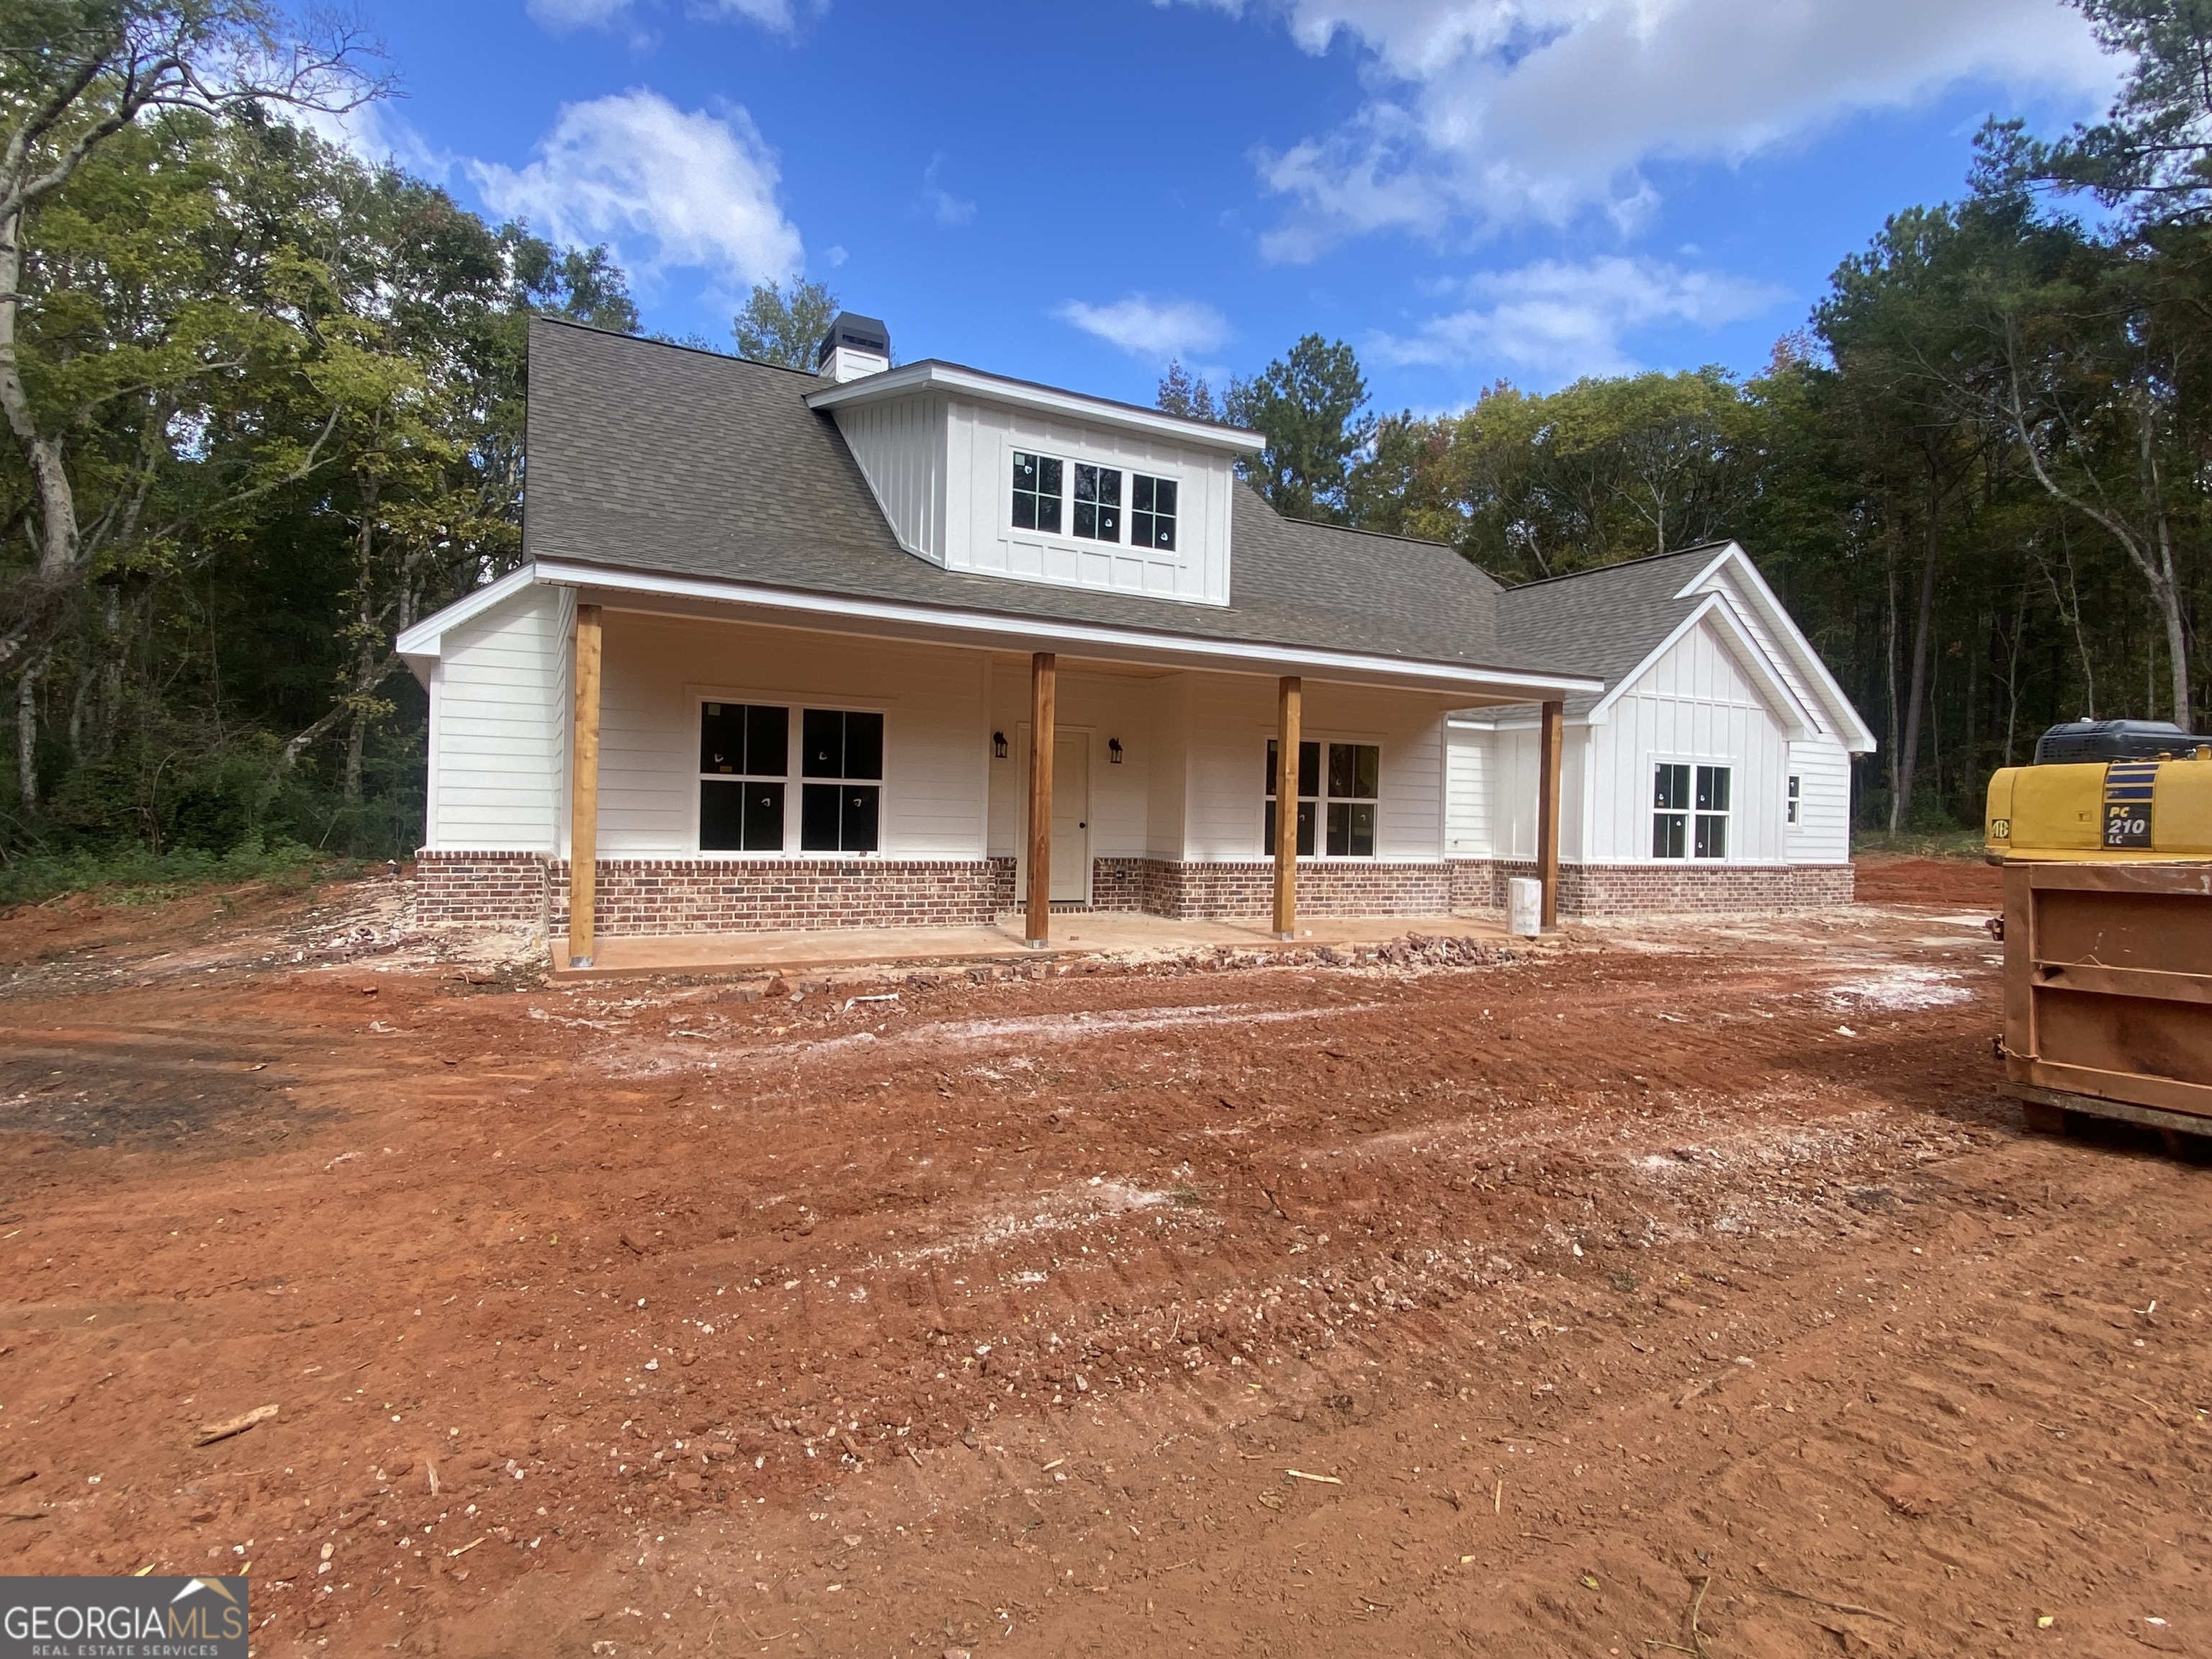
(856, 333)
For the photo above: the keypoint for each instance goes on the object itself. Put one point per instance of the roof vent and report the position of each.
(855, 345)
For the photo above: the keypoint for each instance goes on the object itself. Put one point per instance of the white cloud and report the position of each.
(378, 134)
(1146, 327)
(1508, 110)
(665, 186)
(949, 211)
(1556, 320)
(561, 16)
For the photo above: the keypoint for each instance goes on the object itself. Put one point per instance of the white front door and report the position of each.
(1071, 816)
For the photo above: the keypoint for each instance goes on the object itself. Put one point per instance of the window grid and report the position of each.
(1341, 818)
(1690, 810)
(1036, 492)
(745, 773)
(1796, 798)
(1152, 512)
(1097, 502)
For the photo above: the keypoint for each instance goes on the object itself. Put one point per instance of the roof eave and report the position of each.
(952, 378)
(1003, 630)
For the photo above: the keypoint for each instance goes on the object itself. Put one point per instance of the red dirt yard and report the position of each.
(1669, 1289)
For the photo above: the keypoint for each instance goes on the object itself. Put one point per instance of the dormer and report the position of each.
(1000, 478)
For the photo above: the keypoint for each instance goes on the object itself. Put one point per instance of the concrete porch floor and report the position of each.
(1091, 933)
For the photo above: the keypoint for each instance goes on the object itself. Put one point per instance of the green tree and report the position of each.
(1181, 393)
(775, 327)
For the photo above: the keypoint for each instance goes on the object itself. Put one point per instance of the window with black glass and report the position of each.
(1690, 810)
(744, 765)
(842, 814)
(1796, 797)
(1097, 502)
(1151, 513)
(1340, 818)
(1036, 492)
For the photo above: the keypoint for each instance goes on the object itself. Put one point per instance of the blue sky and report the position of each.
(1465, 189)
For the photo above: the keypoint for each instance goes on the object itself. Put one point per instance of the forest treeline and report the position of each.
(264, 409)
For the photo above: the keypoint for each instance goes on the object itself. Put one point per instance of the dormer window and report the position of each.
(1036, 493)
(1152, 512)
(1098, 503)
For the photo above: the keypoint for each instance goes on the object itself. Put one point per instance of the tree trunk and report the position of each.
(364, 641)
(1889, 660)
(1916, 696)
(26, 734)
(42, 454)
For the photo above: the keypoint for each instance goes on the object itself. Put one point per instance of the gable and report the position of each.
(1773, 632)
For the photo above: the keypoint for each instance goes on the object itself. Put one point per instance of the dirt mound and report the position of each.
(1895, 880)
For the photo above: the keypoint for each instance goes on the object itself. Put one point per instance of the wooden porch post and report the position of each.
(1044, 678)
(1548, 813)
(584, 792)
(1289, 697)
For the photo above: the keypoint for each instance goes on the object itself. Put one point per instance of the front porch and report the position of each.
(1119, 934)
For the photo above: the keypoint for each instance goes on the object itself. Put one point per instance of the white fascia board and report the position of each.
(1858, 737)
(1069, 406)
(1462, 720)
(844, 613)
(1741, 646)
(425, 642)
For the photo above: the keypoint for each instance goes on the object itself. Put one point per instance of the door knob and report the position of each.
(1083, 826)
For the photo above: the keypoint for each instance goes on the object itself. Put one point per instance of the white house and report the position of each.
(792, 650)
(1714, 770)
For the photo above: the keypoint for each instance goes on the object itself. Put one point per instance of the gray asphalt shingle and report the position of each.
(656, 457)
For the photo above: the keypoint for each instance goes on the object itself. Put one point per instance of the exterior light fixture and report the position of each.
(997, 746)
(1114, 751)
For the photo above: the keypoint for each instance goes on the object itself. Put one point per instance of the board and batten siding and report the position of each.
(1695, 704)
(1514, 775)
(980, 536)
(900, 446)
(658, 669)
(499, 728)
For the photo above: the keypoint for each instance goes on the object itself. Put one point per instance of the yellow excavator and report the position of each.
(2107, 929)
(2119, 792)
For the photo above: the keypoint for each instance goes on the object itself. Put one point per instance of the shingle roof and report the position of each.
(656, 457)
(1604, 621)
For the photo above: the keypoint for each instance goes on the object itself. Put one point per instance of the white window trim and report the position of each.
(794, 704)
(1321, 821)
(1691, 812)
(1793, 801)
(1065, 537)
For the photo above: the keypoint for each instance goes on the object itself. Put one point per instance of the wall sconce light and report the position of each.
(1114, 751)
(997, 746)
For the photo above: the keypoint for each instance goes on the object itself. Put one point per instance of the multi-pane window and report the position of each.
(841, 812)
(1796, 798)
(1345, 810)
(744, 763)
(1151, 512)
(1690, 812)
(1098, 502)
(1036, 492)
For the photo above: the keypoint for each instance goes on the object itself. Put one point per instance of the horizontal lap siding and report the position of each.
(1822, 834)
(936, 744)
(1229, 721)
(499, 727)
(1467, 793)
(1107, 706)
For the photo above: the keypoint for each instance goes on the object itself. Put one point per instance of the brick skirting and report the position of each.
(1242, 888)
(486, 891)
(1620, 889)
(483, 892)
(643, 897)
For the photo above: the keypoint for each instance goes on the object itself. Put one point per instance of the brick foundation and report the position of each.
(1620, 889)
(482, 892)
(485, 891)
